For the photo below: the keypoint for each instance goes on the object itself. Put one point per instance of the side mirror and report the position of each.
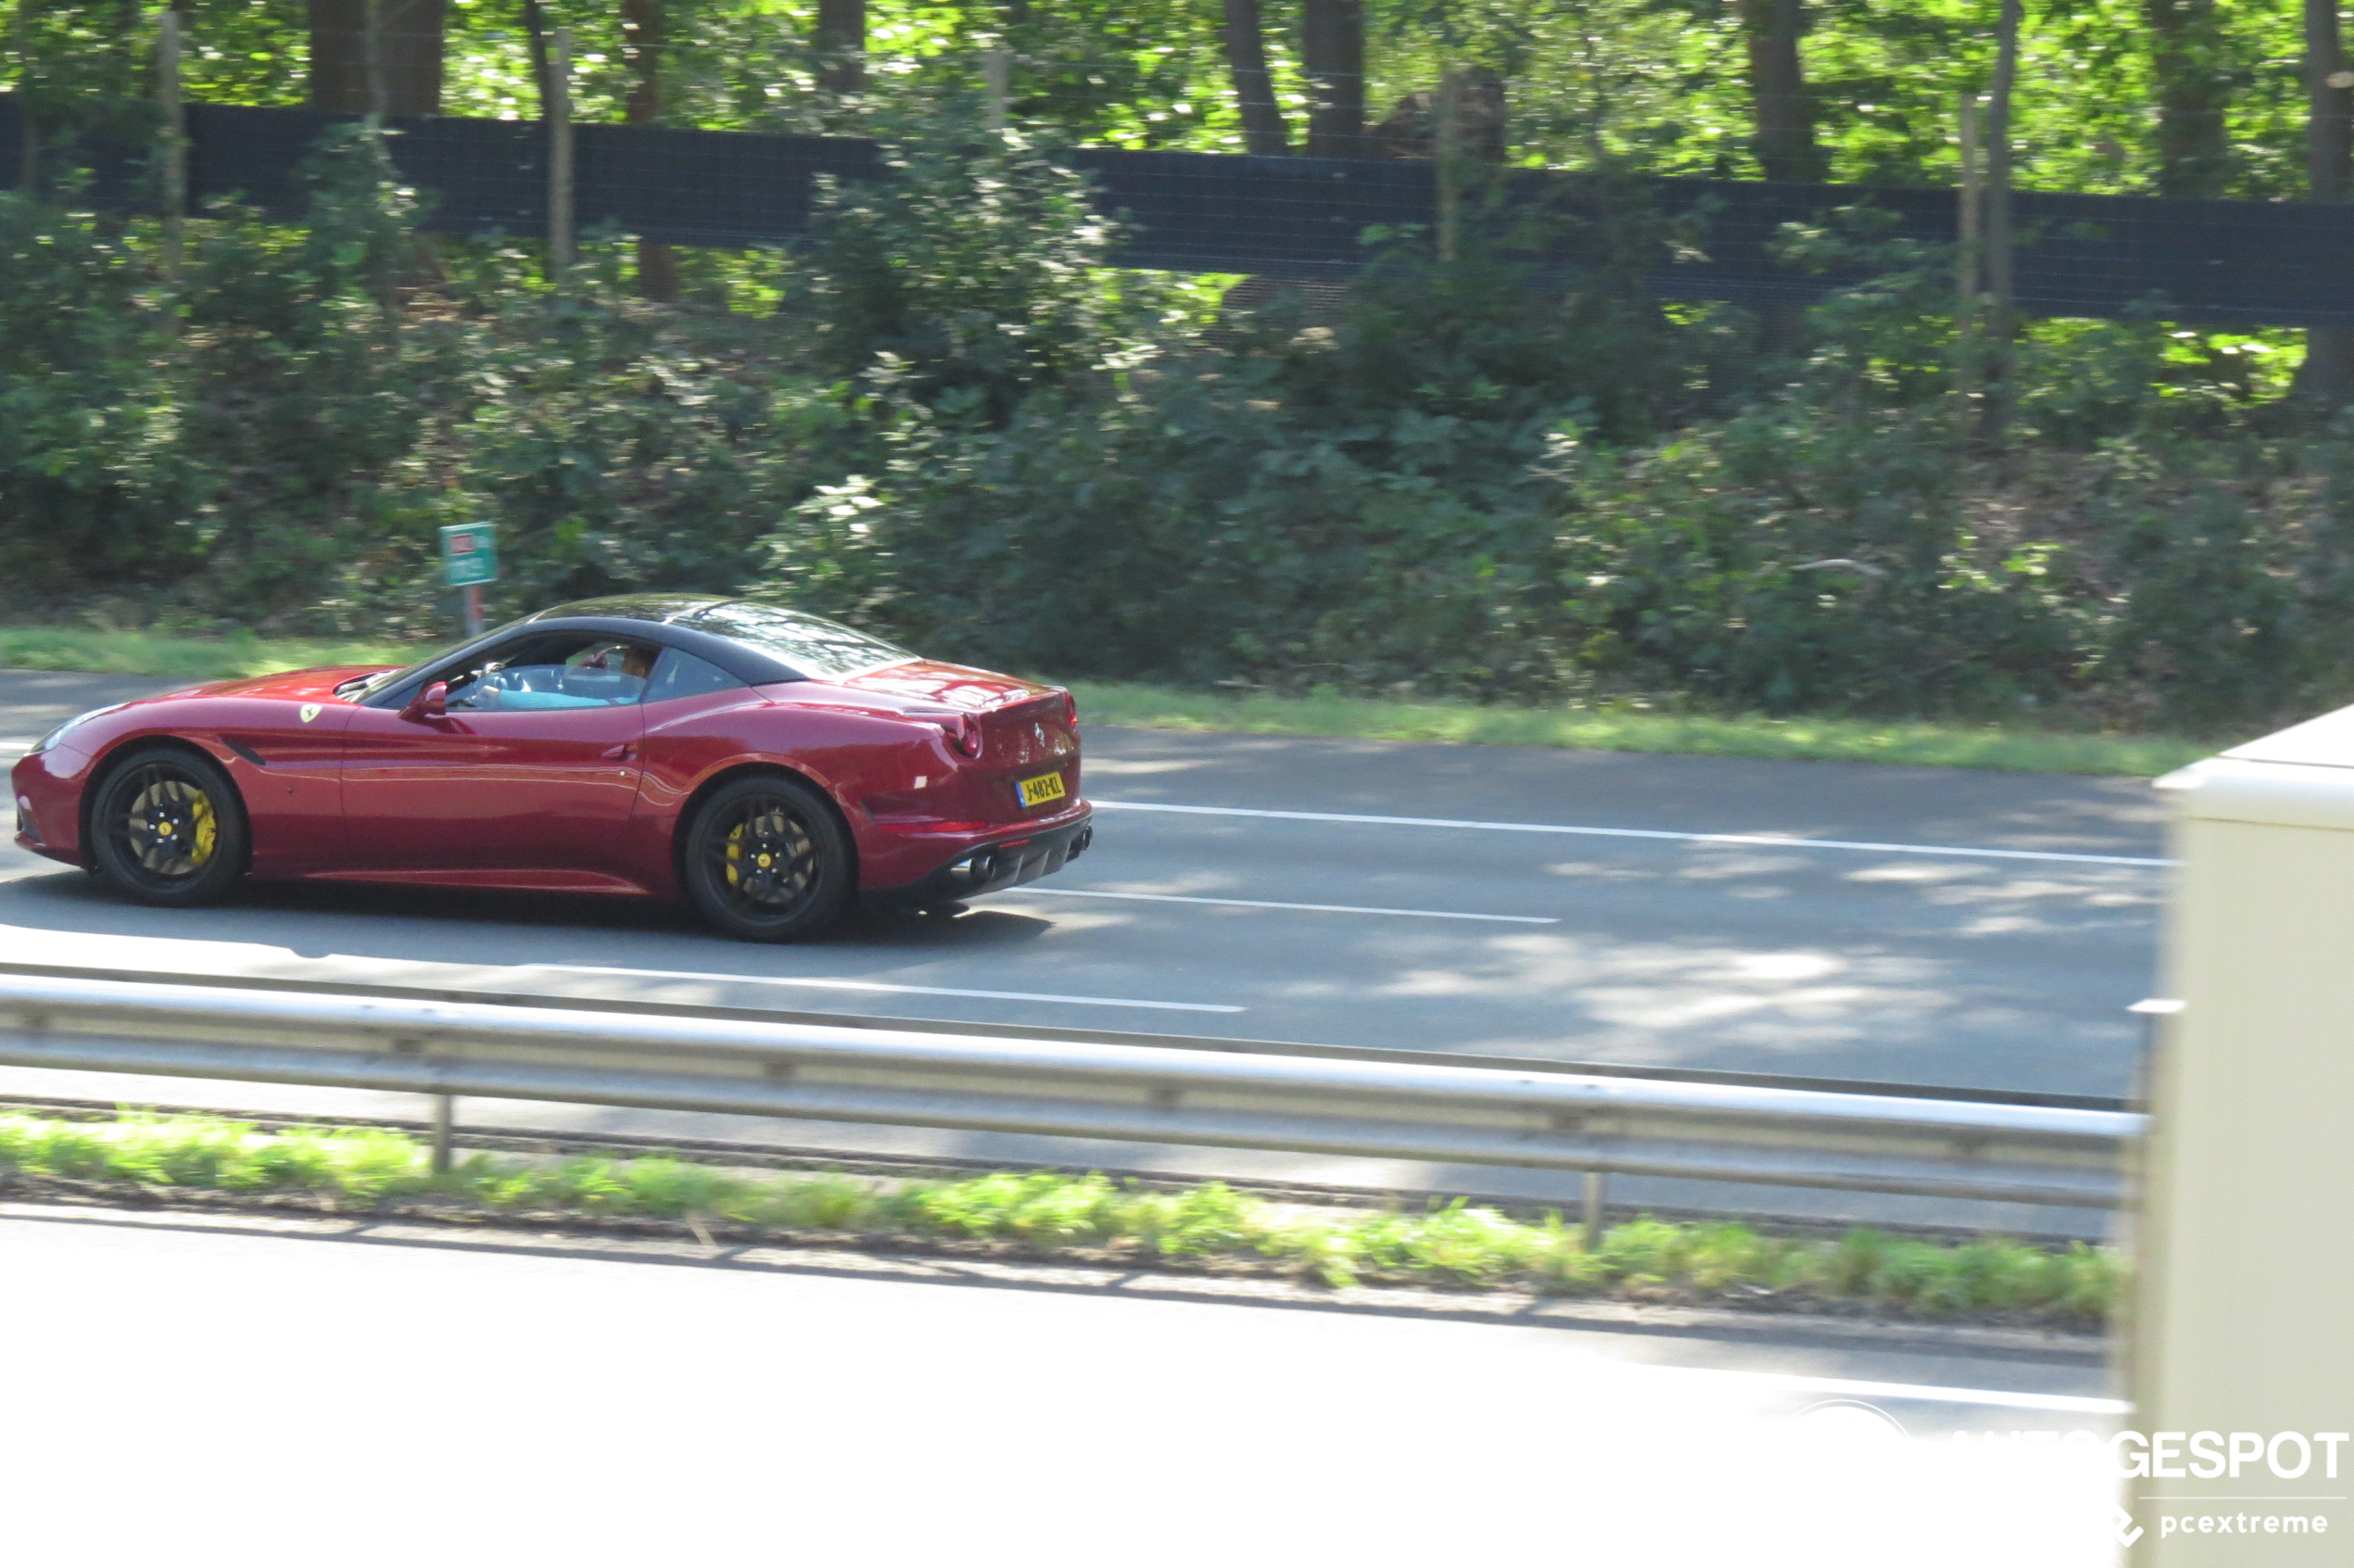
(429, 703)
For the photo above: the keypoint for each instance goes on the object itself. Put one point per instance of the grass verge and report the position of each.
(2012, 750)
(185, 657)
(1359, 718)
(1455, 1245)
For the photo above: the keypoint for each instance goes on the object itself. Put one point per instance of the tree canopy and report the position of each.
(2196, 98)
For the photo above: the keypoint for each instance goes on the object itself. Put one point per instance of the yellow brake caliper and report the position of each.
(207, 828)
(735, 853)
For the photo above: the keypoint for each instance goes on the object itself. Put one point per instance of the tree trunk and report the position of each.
(28, 129)
(1332, 52)
(1966, 260)
(1782, 112)
(1994, 414)
(2186, 57)
(1264, 133)
(841, 45)
(1782, 108)
(641, 41)
(2327, 375)
(535, 33)
(404, 75)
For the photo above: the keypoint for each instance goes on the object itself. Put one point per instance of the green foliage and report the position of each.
(94, 472)
(238, 441)
(1455, 1243)
(363, 1163)
(313, 379)
(278, 437)
(77, 70)
(1475, 482)
(622, 447)
(1042, 1208)
(1343, 502)
(972, 276)
(1794, 560)
(1481, 479)
(1663, 82)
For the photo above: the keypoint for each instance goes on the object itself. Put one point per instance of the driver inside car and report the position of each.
(602, 675)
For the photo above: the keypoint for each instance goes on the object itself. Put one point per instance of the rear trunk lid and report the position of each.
(954, 685)
(1019, 733)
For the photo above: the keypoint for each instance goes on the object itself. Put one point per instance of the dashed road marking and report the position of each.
(1269, 903)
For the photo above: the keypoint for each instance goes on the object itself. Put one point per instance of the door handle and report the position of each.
(619, 753)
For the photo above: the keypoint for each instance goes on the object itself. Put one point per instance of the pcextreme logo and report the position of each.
(2238, 1523)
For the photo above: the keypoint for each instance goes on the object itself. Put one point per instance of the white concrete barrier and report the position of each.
(2242, 1358)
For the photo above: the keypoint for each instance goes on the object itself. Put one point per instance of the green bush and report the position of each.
(622, 447)
(277, 439)
(972, 274)
(1357, 503)
(97, 476)
(1502, 477)
(1459, 486)
(316, 363)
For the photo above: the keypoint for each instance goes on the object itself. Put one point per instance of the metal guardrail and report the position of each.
(1167, 1093)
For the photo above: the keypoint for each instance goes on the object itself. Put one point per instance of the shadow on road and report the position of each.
(432, 920)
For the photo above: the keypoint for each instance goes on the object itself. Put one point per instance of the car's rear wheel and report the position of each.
(167, 828)
(765, 860)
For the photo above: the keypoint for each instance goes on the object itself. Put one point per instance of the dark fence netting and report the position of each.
(2261, 263)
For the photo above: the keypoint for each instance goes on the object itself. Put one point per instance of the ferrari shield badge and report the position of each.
(309, 712)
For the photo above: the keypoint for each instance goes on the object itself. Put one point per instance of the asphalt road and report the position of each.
(1937, 928)
(212, 1390)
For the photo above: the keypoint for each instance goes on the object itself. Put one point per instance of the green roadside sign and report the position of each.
(469, 554)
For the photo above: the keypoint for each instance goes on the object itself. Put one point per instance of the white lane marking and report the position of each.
(1319, 908)
(1770, 840)
(1932, 1393)
(883, 986)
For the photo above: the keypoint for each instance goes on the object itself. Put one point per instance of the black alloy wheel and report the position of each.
(167, 828)
(765, 860)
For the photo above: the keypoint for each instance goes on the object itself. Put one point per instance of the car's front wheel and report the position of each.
(766, 860)
(167, 828)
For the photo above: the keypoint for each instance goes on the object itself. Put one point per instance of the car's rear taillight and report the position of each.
(1071, 710)
(964, 733)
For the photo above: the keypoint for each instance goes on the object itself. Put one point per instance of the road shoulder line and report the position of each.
(1769, 841)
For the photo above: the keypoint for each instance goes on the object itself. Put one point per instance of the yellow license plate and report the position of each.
(1039, 790)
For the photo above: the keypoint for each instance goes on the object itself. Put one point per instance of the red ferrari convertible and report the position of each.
(770, 767)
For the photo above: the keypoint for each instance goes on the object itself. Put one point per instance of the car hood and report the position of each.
(294, 685)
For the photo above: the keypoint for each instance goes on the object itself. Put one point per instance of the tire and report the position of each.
(765, 859)
(167, 828)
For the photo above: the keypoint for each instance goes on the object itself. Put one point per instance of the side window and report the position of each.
(552, 670)
(681, 673)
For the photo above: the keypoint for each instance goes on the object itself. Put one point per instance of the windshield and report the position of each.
(364, 686)
(820, 648)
